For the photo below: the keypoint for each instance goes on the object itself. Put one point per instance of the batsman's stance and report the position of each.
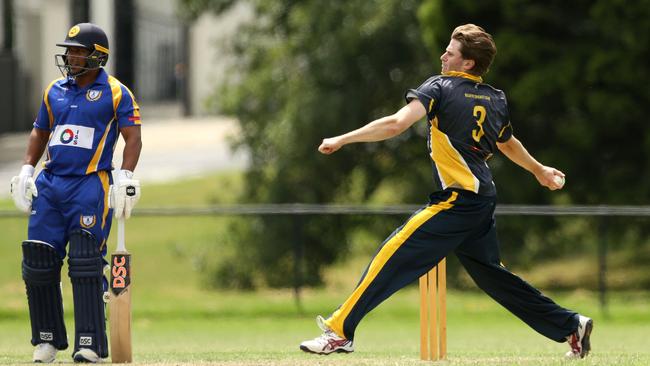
(79, 121)
(468, 121)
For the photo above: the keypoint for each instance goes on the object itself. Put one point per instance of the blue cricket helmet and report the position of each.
(88, 36)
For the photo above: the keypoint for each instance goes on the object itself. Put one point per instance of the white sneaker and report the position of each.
(579, 340)
(86, 355)
(328, 342)
(44, 353)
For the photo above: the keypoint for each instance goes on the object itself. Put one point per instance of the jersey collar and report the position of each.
(465, 75)
(102, 79)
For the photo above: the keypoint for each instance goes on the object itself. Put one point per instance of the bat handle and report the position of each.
(121, 246)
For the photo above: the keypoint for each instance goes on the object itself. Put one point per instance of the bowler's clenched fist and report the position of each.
(330, 145)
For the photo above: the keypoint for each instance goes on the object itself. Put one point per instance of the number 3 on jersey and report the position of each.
(479, 113)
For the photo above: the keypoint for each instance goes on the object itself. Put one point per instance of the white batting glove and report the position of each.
(23, 188)
(124, 194)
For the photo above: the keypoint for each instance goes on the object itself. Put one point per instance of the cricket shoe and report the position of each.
(579, 340)
(44, 353)
(86, 355)
(328, 342)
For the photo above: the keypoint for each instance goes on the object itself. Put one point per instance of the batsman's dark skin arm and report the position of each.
(133, 145)
(36, 146)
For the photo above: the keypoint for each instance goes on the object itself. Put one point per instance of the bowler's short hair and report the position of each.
(477, 45)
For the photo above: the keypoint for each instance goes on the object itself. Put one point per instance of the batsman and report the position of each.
(74, 197)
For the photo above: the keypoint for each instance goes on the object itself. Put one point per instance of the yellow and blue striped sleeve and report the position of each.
(127, 112)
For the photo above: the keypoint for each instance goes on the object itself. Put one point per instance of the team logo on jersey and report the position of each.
(87, 221)
(73, 31)
(93, 95)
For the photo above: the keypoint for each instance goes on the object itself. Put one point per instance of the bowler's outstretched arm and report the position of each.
(379, 129)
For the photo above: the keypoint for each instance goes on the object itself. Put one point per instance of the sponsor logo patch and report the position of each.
(67, 136)
(46, 336)
(85, 341)
(93, 95)
(87, 221)
(73, 136)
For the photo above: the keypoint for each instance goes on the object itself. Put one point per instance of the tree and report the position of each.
(307, 70)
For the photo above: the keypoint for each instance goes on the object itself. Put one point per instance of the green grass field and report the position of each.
(178, 320)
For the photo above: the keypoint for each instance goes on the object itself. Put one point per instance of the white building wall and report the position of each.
(209, 61)
(40, 24)
(55, 23)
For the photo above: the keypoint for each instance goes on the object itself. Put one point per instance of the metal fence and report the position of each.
(159, 56)
(340, 209)
(299, 209)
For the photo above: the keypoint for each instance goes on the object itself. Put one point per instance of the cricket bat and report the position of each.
(120, 300)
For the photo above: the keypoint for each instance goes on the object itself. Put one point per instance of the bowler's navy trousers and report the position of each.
(462, 222)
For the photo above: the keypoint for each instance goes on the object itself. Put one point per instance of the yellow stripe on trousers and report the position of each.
(103, 177)
(335, 322)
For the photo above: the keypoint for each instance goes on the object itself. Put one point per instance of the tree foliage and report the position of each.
(576, 75)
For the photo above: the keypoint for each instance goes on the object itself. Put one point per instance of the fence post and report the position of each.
(297, 259)
(602, 264)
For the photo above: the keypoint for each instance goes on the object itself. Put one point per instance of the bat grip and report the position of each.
(121, 246)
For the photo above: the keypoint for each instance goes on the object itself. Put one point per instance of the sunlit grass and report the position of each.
(177, 319)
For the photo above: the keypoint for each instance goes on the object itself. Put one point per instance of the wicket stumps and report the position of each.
(433, 313)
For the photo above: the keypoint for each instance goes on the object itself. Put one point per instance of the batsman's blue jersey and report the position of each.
(73, 187)
(466, 119)
(84, 123)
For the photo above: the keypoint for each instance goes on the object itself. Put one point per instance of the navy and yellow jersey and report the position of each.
(466, 119)
(84, 123)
